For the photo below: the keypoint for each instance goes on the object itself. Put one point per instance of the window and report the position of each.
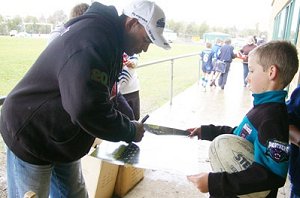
(286, 23)
(295, 20)
(282, 24)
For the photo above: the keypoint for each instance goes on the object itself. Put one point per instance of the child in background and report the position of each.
(129, 83)
(216, 52)
(206, 60)
(76, 11)
(272, 66)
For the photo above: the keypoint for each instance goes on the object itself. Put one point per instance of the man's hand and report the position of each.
(294, 135)
(200, 181)
(195, 132)
(139, 134)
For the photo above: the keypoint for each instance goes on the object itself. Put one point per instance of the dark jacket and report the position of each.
(226, 53)
(246, 50)
(293, 106)
(62, 103)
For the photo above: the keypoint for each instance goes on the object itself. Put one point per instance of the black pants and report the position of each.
(133, 100)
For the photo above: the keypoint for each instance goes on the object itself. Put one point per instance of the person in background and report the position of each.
(226, 55)
(119, 100)
(293, 106)
(76, 11)
(216, 48)
(51, 118)
(206, 61)
(262, 40)
(129, 84)
(244, 54)
(216, 52)
(255, 39)
(272, 67)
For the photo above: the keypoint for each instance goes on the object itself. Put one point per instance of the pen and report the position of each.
(145, 118)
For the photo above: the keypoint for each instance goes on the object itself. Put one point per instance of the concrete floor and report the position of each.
(192, 108)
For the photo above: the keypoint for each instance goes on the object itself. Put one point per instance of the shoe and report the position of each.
(204, 82)
(212, 83)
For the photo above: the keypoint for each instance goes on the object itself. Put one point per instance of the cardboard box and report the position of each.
(128, 177)
(100, 177)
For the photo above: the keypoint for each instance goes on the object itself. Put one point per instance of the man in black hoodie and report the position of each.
(51, 118)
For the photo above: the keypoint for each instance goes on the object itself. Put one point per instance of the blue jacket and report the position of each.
(293, 106)
(226, 53)
(216, 50)
(206, 57)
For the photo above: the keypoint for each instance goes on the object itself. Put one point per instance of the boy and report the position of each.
(130, 85)
(206, 57)
(272, 66)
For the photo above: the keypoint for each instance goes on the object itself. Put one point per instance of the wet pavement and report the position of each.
(194, 107)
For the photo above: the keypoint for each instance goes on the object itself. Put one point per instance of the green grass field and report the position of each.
(18, 54)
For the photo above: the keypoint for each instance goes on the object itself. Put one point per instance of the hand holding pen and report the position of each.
(145, 118)
(139, 133)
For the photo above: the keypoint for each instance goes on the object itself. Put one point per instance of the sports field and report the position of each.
(18, 54)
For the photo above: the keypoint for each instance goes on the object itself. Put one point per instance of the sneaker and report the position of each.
(204, 82)
(212, 83)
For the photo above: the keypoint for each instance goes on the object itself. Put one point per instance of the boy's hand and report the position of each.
(195, 132)
(200, 181)
(130, 64)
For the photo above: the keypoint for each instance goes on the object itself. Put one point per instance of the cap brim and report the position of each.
(157, 38)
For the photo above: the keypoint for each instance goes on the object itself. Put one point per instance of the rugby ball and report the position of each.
(231, 153)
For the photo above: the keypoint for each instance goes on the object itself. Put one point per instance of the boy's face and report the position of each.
(257, 78)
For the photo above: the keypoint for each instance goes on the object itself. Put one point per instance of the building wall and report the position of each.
(277, 7)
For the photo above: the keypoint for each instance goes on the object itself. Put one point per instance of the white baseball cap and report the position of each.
(152, 18)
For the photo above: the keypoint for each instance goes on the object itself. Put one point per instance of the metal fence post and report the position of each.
(172, 75)
(199, 70)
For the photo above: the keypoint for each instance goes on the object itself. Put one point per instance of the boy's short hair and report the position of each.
(208, 45)
(218, 40)
(283, 54)
(227, 41)
(78, 10)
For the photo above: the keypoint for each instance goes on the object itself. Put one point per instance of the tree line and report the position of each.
(32, 24)
(43, 25)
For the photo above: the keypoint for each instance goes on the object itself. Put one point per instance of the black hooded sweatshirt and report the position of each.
(55, 112)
